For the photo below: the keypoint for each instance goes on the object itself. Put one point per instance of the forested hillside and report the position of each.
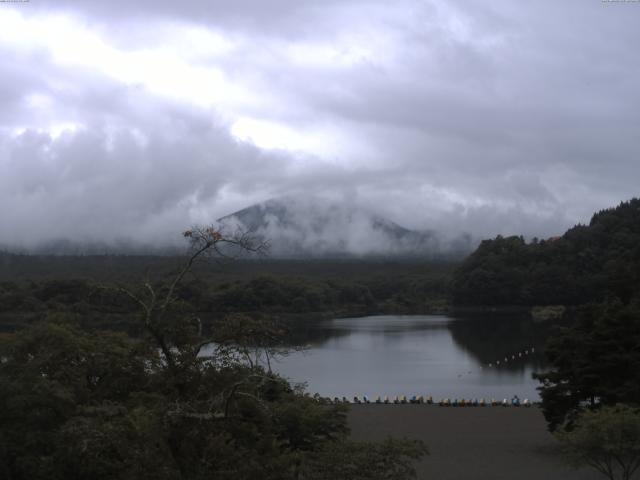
(587, 264)
(33, 287)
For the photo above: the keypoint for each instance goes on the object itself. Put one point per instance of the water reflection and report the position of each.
(493, 338)
(422, 355)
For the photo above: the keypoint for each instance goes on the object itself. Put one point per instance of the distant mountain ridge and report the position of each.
(302, 227)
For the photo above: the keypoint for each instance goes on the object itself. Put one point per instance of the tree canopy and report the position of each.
(607, 440)
(586, 264)
(78, 404)
(594, 362)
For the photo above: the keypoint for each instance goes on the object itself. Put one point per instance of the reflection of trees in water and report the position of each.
(487, 337)
(298, 330)
(305, 331)
(491, 338)
(315, 333)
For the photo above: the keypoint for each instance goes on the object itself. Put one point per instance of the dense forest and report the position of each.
(588, 263)
(87, 403)
(36, 286)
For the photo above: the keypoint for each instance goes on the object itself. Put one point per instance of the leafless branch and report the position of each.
(154, 303)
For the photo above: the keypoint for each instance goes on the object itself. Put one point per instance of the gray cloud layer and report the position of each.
(495, 117)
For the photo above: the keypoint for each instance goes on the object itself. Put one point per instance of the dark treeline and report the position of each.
(118, 267)
(33, 286)
(588, 263)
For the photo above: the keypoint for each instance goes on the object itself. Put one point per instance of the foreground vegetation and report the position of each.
(102, 406)
(607, 440)
(98, 405)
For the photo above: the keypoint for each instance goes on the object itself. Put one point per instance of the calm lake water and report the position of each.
(419, 355)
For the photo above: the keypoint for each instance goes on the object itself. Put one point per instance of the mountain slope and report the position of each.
(312, 227)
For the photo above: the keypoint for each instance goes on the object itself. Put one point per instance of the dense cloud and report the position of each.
(107, 182)
(132, 120)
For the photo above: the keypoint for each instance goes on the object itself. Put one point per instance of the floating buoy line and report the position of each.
(503, 361)
(512, 358)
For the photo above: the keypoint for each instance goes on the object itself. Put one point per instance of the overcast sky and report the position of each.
(135, 119)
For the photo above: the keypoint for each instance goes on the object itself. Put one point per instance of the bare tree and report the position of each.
(180, 341)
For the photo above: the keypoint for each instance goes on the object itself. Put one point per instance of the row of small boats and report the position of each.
(514, 402)
(444, 402)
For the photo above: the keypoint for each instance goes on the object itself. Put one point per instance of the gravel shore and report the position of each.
(475, 443)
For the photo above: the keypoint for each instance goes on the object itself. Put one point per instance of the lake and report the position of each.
(420, 355)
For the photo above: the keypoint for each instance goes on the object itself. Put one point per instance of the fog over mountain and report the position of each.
(316, 227)
(293, 227)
